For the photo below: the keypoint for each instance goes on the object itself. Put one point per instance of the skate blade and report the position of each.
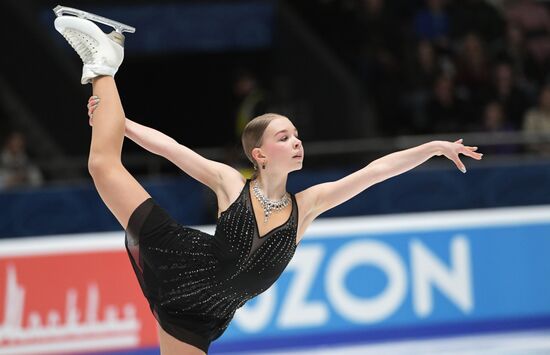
(119, 27)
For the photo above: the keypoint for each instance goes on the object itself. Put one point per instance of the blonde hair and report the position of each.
(252, 136)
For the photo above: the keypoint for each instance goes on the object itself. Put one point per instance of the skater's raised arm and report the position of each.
(150, 139)
(195, 165)
(330, 194)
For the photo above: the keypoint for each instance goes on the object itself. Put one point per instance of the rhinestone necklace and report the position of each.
(267, 204)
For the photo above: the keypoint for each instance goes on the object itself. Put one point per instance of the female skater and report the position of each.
(194, 282)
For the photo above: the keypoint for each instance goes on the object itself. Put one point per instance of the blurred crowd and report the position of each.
(428, 66)
(444, 66)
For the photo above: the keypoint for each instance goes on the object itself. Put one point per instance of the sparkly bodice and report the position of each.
(244, 256)
(194, 274)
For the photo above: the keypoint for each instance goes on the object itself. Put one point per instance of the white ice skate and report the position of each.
(101, 53)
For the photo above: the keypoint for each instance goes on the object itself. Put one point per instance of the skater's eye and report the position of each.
(285, 137)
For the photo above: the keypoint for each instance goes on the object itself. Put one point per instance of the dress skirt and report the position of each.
(175, 267)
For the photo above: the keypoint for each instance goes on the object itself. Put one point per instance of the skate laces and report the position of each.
(85, 45)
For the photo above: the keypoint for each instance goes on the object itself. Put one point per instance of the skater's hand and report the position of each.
(93, 102)
(452, 150)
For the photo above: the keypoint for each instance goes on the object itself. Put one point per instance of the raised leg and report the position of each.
(118, 189)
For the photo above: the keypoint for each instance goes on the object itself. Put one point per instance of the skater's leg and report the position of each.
(118, 189)
(172, 346)
(101, 56)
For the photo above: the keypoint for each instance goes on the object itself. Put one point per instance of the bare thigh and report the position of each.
(172, 346)
(119, 190)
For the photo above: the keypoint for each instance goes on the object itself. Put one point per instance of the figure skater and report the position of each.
(194, 282)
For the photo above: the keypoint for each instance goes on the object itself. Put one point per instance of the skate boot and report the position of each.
(101, 53)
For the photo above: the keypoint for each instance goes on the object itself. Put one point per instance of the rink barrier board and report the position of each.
(100, 260)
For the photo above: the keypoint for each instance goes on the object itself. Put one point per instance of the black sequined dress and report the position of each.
(194, 282)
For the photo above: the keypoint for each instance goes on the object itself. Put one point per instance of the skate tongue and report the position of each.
(117, 37)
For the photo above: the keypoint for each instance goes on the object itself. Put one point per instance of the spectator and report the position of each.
(446, 111)
(473, 72)
(513, 51)
(251, 100)
(424, 68)
(494, 120)
(505, 90)
(422, 72)
(432, 23)
(534, 21)
(16, 170)
(537, 120)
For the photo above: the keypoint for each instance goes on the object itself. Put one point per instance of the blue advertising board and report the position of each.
(364, 279)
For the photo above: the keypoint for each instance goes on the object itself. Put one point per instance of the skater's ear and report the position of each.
(258, 154)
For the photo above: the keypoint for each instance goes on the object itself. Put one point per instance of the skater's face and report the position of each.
(281, 149)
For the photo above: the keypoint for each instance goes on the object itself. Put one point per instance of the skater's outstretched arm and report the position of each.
(331, 194)
(206, 171)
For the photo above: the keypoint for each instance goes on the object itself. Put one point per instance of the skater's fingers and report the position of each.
(459, 164)
(92, 105)
(90, 117)
(92, 101)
